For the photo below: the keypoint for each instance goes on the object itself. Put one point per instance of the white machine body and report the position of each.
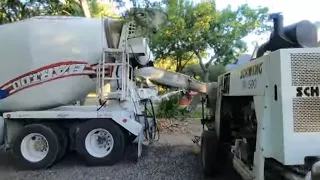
(140, 46)
(286, 101)
(284, 82)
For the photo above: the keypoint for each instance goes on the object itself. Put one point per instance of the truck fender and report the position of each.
(1, 130)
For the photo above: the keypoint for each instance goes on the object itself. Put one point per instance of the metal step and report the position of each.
(112, 95)
(108, 50)
(111, 78)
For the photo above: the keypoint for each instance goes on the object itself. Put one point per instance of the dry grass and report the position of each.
(171, 125)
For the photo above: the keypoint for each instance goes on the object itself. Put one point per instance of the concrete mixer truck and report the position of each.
(49, 62)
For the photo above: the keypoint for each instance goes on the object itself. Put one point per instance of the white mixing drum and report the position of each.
(45, 61)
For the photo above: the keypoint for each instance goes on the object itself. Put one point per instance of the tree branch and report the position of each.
(76, 1)
(177, 64)
(211, 60)
(188, 59)
(66, 12)
(85, 8)
(200, 60)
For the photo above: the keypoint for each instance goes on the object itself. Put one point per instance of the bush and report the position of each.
(169, 108)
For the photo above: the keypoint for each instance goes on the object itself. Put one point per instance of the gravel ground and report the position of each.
(172, 158)
(162, 162)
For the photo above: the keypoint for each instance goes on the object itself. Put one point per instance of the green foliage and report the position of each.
(196, 72)
(227, 29)
(193, 29)
(99, 10)
(173, 65)
(169, 108)
(15, 10)
(169, 42)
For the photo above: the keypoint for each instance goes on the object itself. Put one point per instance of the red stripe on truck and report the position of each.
(46, 74)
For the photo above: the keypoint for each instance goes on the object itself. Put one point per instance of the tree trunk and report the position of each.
(85, 8)
(206, 75)
(205, 67)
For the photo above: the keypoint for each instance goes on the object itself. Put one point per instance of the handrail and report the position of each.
(125, 73)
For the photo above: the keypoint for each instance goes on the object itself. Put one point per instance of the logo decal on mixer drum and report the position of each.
(46, 74)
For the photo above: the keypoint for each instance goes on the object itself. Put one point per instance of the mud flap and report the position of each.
(134, 150)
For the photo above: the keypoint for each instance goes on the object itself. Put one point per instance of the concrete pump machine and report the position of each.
(266, 113)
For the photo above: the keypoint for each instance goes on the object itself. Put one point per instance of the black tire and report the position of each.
(209, 153)
(63, 141)
(51, 138)
(119, 139)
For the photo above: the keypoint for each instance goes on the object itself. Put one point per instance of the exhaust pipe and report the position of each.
(302, 34)
(315, 171)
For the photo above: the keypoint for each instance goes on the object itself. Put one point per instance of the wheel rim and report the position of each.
(34, 147)
(99, 143)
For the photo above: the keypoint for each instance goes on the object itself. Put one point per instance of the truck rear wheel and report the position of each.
(63, 141)
(35, 147)
(100, 142)
(209, 151)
